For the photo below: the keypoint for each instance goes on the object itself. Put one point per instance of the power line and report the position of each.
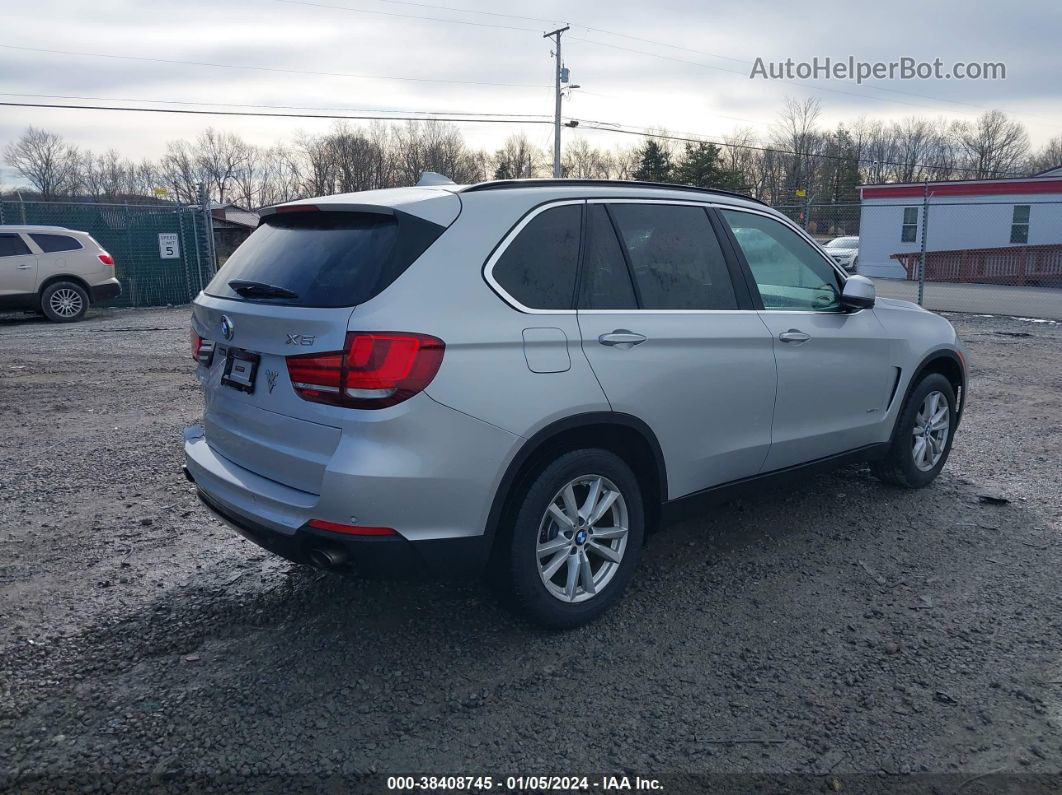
(631, 37)
(268, 68)
(468, 11)
(405, 16)
(277, 107)
(359, 117)
(589, 125)
(583, 124)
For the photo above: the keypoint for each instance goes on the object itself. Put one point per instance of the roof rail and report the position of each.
(502, 184)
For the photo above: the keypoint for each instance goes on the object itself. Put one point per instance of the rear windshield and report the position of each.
(326, 259)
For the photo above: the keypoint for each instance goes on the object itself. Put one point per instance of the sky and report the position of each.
(676, 64)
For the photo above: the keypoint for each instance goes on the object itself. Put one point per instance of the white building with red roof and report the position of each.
(997, 231)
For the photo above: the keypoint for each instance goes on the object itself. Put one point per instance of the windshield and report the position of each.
(323, 259)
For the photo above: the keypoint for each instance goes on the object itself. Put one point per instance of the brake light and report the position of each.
(375, 370)
(298, 208)
(106, 258)
(202, 350)
(350, 529)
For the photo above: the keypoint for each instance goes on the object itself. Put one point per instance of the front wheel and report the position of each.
(577, 538)
(923, 436)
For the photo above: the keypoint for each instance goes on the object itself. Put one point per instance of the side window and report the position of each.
(788, 271)
(909, 230)
(606, 283)
(675, 256)
(538, 266)
(52, 243)
(1019, 224)
(12, 245)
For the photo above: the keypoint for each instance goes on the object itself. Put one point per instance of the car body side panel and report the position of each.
(485, 371)
(703, 381)
(833, 389)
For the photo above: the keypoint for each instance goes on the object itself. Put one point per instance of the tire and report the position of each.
(572, 544)
(64, 302)
(907, 463)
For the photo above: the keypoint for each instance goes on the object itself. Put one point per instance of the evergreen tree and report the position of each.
(702, 167)
(654, 163)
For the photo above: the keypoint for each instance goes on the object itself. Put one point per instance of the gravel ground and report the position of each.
(835, 628)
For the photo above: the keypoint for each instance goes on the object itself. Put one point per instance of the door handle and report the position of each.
(23, 267)
(622, 338)
(794, 335)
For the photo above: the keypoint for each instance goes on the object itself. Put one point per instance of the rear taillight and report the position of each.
(106, 258)
(202, 350)
(375, 370)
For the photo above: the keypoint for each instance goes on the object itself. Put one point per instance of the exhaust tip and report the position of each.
(326, 557)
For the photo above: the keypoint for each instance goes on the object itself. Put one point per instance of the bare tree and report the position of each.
(220, 155)
(517, 159)
(796, 131)
(993, 146)
(181, 171)
(52, 166)
(1049, 157)
(583, 161)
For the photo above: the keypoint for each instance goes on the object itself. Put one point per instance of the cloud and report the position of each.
(689, 85)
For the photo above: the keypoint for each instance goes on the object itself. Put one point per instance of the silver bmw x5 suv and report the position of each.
(525, 378)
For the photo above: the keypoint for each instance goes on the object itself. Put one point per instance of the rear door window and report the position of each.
(675, 256)
(52, 243)
(326, 259)
(538, 266)
(12, 245)
(606, 283)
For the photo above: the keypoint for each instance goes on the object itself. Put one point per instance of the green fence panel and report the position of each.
(159, 251)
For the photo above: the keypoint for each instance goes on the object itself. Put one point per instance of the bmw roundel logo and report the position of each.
(228, 328)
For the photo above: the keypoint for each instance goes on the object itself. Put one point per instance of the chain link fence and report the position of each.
(162, 254)
(988, 256)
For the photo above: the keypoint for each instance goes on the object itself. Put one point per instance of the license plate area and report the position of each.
(241, 367)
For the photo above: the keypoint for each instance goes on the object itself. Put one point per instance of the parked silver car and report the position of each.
(527, 377)
(845, 252)
(57, 271)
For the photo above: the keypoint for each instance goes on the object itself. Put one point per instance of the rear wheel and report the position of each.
(923, 436)
(577, 538)
(64, 302)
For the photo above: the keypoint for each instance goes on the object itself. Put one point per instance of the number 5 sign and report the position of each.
(169, 248)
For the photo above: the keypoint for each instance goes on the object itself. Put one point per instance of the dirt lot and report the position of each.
(837, 627)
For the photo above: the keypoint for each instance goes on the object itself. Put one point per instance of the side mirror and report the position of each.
(858, 293)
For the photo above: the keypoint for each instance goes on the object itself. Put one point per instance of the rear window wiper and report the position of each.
(260, 290)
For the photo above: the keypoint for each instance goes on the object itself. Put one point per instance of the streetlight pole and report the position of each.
(556, 36)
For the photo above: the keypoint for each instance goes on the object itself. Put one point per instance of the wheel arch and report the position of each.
(625, 435)
(947, 362)
(44, 285)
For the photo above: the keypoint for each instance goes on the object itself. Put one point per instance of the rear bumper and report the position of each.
(107, 291)
(369, 556)
(421, 468)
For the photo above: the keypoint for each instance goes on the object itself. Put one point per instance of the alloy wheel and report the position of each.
(931, 426)
(66, 302)
(582, 538)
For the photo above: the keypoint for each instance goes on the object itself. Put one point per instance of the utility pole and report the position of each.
(556, 36)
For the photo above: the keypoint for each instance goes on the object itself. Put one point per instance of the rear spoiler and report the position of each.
(440, 207)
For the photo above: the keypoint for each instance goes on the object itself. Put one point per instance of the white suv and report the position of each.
(527, 377)
(57, 271)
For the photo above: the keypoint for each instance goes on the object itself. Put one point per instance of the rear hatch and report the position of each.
(290, 290)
